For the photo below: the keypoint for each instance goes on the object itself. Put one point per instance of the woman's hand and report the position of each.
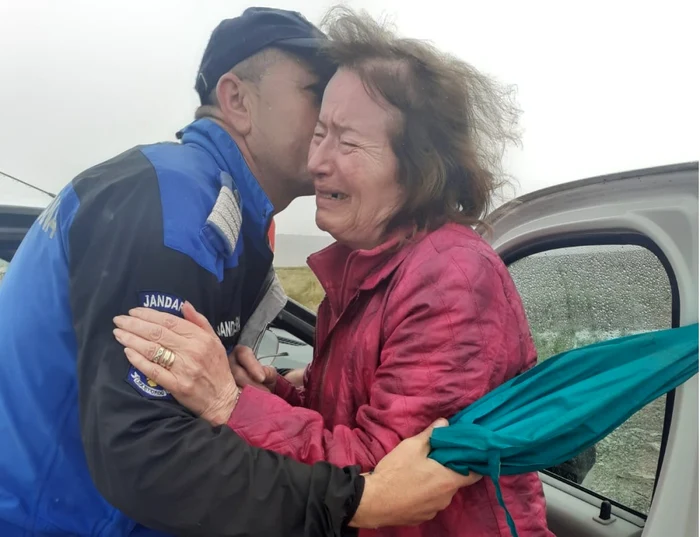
(296, 377)
(248, 371)
(200, 377)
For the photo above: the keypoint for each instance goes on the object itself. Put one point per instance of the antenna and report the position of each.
(27, 184)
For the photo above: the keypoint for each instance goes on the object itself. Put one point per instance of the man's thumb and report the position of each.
(442, 422)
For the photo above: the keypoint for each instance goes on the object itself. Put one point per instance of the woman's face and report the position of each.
(353, 164)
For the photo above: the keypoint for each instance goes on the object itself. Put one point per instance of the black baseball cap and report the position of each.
(234, 40)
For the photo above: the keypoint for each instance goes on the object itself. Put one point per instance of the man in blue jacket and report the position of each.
(90, 445)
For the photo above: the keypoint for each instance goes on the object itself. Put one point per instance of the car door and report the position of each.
(14, 223)
(603, 258)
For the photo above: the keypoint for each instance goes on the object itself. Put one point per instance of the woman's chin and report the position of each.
(323, 223)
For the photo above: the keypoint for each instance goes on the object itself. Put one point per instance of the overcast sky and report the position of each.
(605, 86)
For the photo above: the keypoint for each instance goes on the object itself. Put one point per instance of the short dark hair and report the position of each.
(257, 28)
(253, 70)
(454, 126)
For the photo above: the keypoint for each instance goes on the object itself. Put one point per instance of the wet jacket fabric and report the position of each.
(89, 446)
(407, 333)
(568, 403)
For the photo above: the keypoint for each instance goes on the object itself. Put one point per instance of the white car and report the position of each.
(593, 259)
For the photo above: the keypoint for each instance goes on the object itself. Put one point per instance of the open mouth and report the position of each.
(331, 195)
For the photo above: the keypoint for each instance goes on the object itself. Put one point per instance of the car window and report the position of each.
(580, 295)
(295, 353)
(300, 284)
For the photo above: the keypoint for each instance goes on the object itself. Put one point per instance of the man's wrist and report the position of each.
(365, 515)
(359, 485)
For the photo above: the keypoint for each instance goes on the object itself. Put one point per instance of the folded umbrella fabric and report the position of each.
(564, 405)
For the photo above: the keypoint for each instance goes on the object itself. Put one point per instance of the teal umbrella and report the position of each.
(553, 412)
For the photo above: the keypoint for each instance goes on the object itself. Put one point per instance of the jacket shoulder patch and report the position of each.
(145, 386)
(226, 217)
(164, 302)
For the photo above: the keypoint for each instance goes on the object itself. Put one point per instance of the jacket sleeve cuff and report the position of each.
(252, 405)
(353, 504)
(286, 390)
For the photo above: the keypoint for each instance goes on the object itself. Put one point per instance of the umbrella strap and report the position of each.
(494, 457)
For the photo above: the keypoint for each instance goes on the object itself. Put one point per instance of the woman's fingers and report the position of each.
(296, 377)
(157, 374)
(193, 316)
(173, 322)
(270, 374)
(174, 333)
(145, 348)
(240, 375)
(169, 321)
(156, 333)
(242, 378)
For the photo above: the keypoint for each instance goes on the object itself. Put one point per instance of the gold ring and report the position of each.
(159, 355)
(168, 359)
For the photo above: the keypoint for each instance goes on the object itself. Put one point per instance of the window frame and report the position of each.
(298, 321)
(607, 238)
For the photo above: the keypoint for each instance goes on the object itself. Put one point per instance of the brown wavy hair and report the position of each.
(455, 122)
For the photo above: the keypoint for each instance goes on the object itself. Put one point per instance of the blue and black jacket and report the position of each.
(88, 444)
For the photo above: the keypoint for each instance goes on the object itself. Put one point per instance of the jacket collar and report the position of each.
(209, 136)
(344, 272)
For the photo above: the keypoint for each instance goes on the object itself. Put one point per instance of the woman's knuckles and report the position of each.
(155, 373)
(152, 351)
(187, 387)
(204, 350)
(156, 333)
(197, 351)
(208, 350)
(170, 323)
(194, 373)
(215, 345)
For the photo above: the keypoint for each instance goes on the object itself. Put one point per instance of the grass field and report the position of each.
(300, 284)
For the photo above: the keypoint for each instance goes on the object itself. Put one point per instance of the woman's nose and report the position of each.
(319, 161)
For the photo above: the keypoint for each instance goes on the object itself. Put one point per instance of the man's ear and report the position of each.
(234, 97)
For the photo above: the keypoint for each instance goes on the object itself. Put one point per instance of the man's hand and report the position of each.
(248, 371)
(408, 488)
